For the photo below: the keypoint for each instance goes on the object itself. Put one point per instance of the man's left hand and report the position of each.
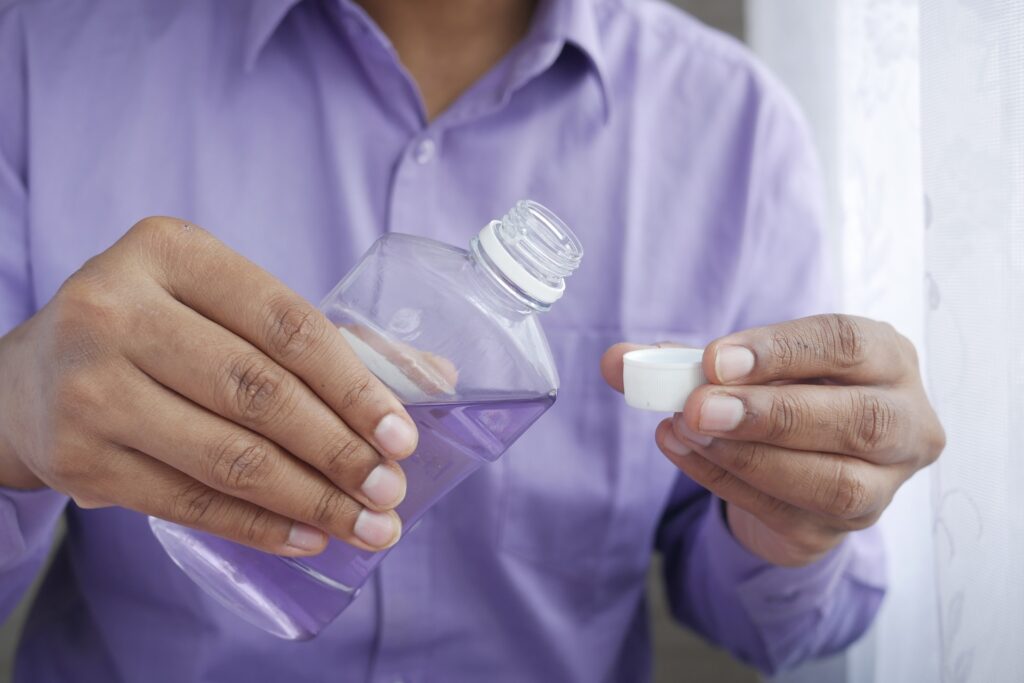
(806, 430)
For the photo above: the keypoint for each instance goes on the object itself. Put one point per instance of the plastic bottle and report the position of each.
(455, 334)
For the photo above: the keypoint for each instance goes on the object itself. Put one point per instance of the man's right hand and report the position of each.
(173, 377)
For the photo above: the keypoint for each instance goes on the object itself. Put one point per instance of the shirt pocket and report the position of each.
(586, 486)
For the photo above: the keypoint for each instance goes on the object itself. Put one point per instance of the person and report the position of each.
(150, 366)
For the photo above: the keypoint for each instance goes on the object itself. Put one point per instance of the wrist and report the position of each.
(13, 472)
(798, 549)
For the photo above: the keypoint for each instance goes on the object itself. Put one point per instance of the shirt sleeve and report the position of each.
(27, 518)
(772, 617)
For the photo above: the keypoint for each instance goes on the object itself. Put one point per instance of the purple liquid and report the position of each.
(295, 598)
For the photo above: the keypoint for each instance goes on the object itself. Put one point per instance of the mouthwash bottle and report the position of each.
(456, 336)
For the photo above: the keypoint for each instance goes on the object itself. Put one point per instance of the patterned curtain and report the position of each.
(973, 115)
(918, 109)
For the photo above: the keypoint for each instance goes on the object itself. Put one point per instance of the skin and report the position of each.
(806, 430)
(447, 45)
(173, 377)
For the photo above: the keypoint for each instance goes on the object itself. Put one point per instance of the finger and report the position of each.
(776, 514)
(836, 487)
(220, 371)
(205, 275)
(840, 347)
(135, 481)
(611, 361)
(245, 465)
(866, 422)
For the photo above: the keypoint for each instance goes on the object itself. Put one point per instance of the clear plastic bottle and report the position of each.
(455, 335)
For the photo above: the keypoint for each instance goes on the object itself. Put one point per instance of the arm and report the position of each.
(768, 616)
(806, 429)
(772, 616)
(234, 408)
(27, 518)
(744, 584)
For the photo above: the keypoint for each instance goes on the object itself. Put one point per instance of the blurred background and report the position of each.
(679, 655)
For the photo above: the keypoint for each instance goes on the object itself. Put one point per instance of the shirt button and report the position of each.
(425, 151)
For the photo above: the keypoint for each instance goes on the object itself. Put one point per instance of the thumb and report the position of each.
(611, 361)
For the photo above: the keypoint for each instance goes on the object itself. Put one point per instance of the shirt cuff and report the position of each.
(27, 519)
(771, 594)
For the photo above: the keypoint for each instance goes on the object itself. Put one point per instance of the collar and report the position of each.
(573, 22)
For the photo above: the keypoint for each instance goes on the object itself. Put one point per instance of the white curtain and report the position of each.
(918, 110)
(973, 113)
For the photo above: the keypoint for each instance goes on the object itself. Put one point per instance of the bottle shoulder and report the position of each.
(424, 296)
(415, 246)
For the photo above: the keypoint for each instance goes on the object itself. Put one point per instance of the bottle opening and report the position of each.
(533, 249)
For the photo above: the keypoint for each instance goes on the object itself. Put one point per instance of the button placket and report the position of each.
(413, 183)
(424, 151)
(405, 578)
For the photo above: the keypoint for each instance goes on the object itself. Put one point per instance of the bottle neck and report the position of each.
(522, 261)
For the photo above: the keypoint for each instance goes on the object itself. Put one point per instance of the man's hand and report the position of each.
(174, 377)
(807, 430)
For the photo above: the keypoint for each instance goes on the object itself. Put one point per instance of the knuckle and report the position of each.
(936, 443)
(255, 388)
(78, 399)
(785, 351)
(166, 241)
(294, 329)
(85, 311)
(358, 391)
(341, 456)
(257, 526)
(240, 464)
(193, 503)
(160, 231)
(842, 340)
(909, 350)
(847, 496)
(150, 226)
(334, 510)
(874, 422)
(152, 234)
(784, 417)
(748, 459)
(863, 522)
(770, 509)
(717, 477)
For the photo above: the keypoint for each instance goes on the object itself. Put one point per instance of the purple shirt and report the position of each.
(292, 132)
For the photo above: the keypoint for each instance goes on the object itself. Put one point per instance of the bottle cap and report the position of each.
(662, 379)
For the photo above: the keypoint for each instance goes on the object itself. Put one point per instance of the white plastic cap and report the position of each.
(662, 379)
(514, 271)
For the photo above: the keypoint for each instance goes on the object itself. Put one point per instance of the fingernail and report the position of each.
(375, 529)
(673, 445)
(733, 363)
(721, 414)
(396, 436)
(384, 486)
(305, 537)
(699, 439)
